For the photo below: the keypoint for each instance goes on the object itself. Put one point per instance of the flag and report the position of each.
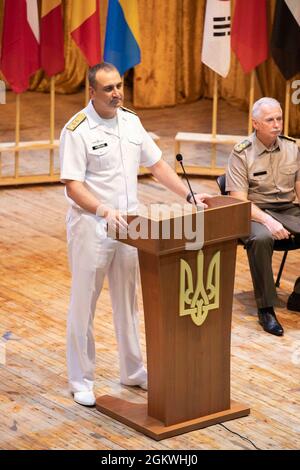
(85, 29)
(216, 36)
(20, 43)
(122, 36)
(52, 37)
(249, 33)
(285, 41)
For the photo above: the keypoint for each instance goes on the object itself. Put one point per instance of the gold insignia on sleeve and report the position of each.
(287, 138)
(242, 146)
(128, 110)
(76, 121)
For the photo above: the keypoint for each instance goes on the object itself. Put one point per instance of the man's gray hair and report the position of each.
(265, 101)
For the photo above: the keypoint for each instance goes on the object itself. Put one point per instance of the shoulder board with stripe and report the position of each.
(128, 110)
(242, 146)
(287, 138)
(76, 121)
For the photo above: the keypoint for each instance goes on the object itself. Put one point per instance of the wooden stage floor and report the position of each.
(36, 409)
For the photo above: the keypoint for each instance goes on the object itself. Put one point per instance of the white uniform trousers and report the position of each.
(92, 255)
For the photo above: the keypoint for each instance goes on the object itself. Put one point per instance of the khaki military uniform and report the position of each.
(268, 176)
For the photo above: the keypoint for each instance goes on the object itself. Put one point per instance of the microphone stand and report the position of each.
(179, 158)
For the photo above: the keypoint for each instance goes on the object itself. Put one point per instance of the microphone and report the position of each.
(179, 158)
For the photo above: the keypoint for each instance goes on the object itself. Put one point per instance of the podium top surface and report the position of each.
(159, 212)
(163, 229)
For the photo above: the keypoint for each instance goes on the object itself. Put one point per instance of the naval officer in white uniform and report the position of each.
(101, 149)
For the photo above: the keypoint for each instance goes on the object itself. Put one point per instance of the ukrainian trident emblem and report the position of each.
(197, 300)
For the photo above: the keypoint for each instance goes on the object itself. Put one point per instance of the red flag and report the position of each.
(52, 37)
(20, 43)
(249, 33)
(85, 29)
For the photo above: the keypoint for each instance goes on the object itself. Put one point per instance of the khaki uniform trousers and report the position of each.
(92, 255)
(259, 247)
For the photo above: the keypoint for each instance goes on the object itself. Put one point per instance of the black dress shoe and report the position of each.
(293, 302)
(267, 319)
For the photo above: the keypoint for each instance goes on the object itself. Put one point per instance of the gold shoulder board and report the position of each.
(128, 110)
(242, 146)
(76, 121)
(287, 138)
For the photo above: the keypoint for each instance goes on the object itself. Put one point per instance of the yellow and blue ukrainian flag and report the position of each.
(122, 35)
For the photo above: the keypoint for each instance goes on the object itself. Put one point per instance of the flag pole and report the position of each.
(251, 101)
(52, 122)
(17, 133)
(287, 107)
(215, 105)
(214, 117)
(87, 91)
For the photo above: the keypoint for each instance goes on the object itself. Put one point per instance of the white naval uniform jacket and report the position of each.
(107, 160)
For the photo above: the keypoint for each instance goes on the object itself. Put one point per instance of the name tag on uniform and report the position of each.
(99, 146)
(259, 173)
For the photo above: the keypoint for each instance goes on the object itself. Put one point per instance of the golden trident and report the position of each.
(197, 302)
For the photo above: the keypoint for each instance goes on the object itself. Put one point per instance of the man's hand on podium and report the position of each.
(200, 200)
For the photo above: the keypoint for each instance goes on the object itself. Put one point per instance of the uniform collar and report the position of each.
(122, 119)
(95, 120)
(92, 116)
(261, 148)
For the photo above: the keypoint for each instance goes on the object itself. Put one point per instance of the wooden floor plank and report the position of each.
(38, 410)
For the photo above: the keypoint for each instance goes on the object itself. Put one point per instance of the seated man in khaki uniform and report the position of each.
(265, 169)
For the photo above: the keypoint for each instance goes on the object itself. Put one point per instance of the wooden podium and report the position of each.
(187, 296)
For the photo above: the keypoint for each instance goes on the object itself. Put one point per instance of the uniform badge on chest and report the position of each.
(99, 146)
